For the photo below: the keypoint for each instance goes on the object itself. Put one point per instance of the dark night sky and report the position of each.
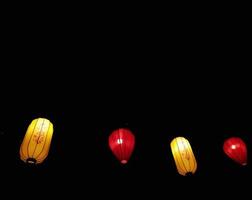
(192, 85)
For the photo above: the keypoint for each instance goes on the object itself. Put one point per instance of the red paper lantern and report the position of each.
(236, 149)
(122, 143)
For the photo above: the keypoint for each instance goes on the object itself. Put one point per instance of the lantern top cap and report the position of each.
(180, 137)
(41, 118)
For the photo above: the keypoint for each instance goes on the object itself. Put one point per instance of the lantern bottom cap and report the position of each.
(124, 161)
(244, 164)
(31, 161)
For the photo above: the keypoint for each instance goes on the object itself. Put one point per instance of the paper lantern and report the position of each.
(236, 149)
(122, 143)
(183, 155)
(37, 140)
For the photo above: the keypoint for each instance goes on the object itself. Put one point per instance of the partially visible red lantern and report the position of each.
(122, 144)
(236, 149)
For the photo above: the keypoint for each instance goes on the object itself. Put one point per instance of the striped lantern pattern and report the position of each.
(122, 144)
(235, 148)
(183, 155)
(37, 140)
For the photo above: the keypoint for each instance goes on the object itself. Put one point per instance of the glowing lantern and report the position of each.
(236, 149)
(122, 143)
(36, 143)
(183, 155)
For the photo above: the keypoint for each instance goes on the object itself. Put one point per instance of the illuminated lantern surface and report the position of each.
(236, 149)
(122, 143)
(37, 140)
(183, 155)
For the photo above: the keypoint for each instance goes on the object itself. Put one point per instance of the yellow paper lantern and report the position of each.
(183, 155)
(37, 140)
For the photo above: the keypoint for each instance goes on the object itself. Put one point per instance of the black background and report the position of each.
(161, 80)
